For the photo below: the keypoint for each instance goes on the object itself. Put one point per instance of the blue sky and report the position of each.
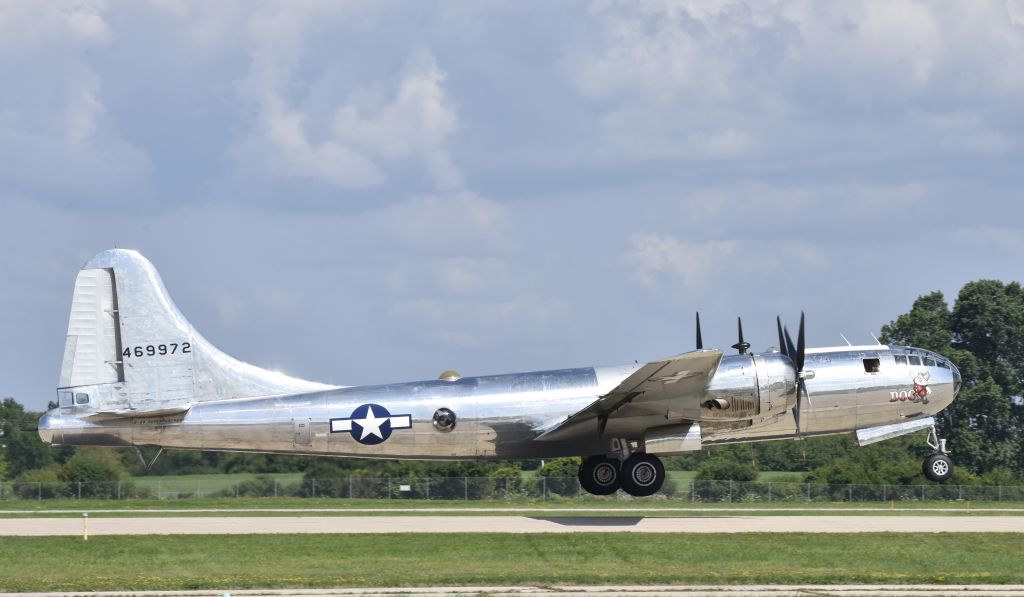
(364, 192)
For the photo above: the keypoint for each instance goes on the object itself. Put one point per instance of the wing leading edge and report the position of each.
(652, 396)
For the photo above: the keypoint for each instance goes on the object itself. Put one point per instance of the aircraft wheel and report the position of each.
(642, 474)
(938, 467)
(599, 475)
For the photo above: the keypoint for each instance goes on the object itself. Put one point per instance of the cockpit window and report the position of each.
(901, 359)
(943, 363)
(914, 360)
(929, 362)
(872, 365)
(81, 399)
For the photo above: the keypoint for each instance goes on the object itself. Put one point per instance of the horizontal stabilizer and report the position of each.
(135, 413)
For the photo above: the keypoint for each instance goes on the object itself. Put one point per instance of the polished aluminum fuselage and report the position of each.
(502, 416)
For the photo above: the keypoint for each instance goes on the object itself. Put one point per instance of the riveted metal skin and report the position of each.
(204, 399)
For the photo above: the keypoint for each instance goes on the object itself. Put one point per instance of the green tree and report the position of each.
(727, 469)
(510, 477)
(927, 325)
(3, 466)
(41, 483)
(559, 475)
(93, 472)
(25, 451)
(984, 336)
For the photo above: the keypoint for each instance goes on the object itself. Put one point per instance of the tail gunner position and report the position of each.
(135, 373)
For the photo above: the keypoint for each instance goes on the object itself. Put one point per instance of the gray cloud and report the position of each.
(369, 192)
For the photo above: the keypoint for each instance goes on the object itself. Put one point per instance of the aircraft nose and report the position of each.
(51, 427)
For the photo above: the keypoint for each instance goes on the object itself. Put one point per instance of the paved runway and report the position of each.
(589, 590)
(232, 525)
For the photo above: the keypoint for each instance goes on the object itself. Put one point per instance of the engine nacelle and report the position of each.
(753, 387)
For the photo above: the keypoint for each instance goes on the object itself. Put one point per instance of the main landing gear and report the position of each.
(639, 475)
(939, 466)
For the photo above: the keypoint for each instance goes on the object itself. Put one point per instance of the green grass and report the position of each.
(250, 561)
(169, 485)
(781, 477)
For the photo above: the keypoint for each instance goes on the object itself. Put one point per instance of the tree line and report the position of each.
(983, 334)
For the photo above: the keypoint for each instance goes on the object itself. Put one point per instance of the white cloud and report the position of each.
(350, 148)
(83, 111)
(57, 142)
(292, 153)
(652, 255)
(417, 122)
(653, 258)
(738, 79)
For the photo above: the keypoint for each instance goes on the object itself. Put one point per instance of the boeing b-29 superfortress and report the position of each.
(135, 373)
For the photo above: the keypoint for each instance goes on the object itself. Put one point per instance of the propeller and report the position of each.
(741, 346)
(700, 341)
(796, 354)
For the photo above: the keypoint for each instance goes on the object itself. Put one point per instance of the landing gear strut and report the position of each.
(639, 475)
(939, 466)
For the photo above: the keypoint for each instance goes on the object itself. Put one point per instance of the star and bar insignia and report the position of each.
(371, 424)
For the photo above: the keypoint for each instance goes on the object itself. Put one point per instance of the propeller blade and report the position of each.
(700, 341)
(800, 345)
(790, 349)
(782, 339)
(796, 409)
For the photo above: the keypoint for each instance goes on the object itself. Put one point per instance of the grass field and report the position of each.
(169, 485)
(251, 561)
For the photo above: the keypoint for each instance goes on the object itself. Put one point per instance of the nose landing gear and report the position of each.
(639, 475)
(939, 466)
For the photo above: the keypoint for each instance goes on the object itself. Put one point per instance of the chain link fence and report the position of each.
(504, 488)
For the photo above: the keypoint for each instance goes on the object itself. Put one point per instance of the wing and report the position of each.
(653, 395)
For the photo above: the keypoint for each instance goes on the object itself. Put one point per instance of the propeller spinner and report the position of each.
(741, 346)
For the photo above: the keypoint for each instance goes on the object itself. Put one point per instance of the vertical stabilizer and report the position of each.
(131, 349)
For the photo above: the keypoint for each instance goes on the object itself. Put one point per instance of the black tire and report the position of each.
(600, 475)
(642, 475)
(938, 468)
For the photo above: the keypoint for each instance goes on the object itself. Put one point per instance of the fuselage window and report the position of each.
(67, 399)
(901, 359)
(81, 399)
(872, 365)
(915, 360)
(929, 362)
